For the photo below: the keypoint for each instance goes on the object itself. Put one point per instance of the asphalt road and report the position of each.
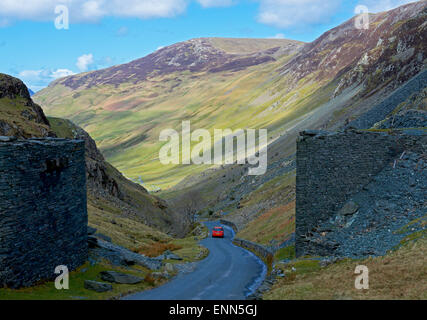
(228, 273)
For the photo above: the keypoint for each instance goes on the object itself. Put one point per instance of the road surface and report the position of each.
(228, 273)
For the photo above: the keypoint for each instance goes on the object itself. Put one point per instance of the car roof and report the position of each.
(218, 228)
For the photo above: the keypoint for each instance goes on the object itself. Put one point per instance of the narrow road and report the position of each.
(228, 273)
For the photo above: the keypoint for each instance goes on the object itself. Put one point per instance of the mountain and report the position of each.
(283, 85)
(125, 107)
(114, 203)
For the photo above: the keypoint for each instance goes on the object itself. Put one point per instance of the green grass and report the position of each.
(47, 290)
(285, 253)
(61, 127)
(16, 114)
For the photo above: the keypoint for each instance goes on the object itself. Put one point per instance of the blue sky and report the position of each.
(103, 33)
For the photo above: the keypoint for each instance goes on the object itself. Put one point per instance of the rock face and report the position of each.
(339, 203)
(22, 110)
(121, 256)
(43, 210)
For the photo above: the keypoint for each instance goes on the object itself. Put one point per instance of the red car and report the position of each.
(218, 232)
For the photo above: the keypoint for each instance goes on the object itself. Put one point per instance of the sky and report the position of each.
(38, 46)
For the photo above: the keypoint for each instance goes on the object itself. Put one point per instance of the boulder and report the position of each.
(349, 208)
(122, 278)
(123, 256)
(97, 286)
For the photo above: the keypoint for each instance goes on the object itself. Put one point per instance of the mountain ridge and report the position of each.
(194, 55)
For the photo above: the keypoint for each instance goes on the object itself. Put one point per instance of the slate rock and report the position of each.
(97, 286)
(123, 256)
(349, 208)
(122, 278)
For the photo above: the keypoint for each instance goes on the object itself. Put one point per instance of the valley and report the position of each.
(348, 82)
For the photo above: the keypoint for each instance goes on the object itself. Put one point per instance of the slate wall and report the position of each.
(331, 167)
(43, 211)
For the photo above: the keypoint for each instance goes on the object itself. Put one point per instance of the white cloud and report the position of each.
(61, 73)
(278, 36)
(292, 13)
(83, 62)
(90, 10)
(39, 79)
(44, 75)
(31, 74)
(216, 3)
